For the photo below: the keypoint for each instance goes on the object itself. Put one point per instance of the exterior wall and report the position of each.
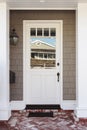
(69, 54)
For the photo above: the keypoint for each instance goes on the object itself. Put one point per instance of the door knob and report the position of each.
(58, 74)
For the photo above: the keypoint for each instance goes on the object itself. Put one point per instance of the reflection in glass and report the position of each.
(33, 32)
(43, 55)
(39, 31)
(52, 32)
(34, 55)
(46, 31)
(50, 56)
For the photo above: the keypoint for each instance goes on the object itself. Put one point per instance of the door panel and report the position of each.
(36, 89)
(42, 55)
(43, 87)
(50, 81)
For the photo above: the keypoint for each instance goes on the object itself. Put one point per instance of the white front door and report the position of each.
(42, 62)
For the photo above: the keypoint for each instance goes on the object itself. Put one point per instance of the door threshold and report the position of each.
(43, 106)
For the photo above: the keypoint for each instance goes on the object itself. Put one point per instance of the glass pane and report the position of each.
(45, 56)
(43, 52)
(52, 32)
(34, 55)
(41, 55)
(50, 56)
(46, 31)
(39, 31)
(33, 32)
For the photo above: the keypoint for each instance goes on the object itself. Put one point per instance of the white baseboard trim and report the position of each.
(68, 104)
(65, 105)
(81, 112)
(5, 112)
(17, 105)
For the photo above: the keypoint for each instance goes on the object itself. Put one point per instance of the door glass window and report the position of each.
(33, 31)
(46, 31)
(43, 47)
(53, 32)
(39, 31)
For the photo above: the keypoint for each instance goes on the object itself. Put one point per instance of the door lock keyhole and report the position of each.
(58, 75)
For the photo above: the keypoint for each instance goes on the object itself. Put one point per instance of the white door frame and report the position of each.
(24, 56)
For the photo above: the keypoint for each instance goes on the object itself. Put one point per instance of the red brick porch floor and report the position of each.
(62, 120)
